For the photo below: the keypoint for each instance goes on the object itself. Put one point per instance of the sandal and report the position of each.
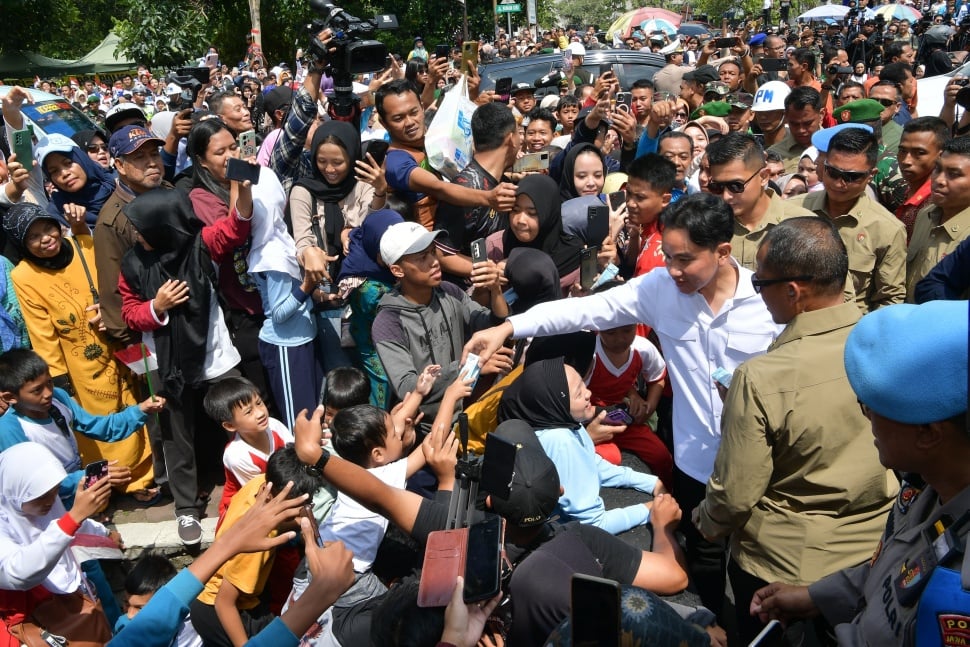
(147, 497)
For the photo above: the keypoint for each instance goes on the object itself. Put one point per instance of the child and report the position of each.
(622, 358)
(344, 387)
(230, 608)
(648, 190)
(45, 414)
(382, 443)
(150, 573)
(235, 403)
(566, 112)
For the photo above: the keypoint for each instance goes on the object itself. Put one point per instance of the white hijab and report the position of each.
(272, 249)
(27, 472)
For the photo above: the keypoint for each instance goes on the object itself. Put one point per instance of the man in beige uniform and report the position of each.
(797, 483)
(942, 225)
(873, 237)
(739, 175)
(803, 114)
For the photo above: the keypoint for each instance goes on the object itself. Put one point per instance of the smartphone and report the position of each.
(722, 377)
(94, 472)
(595, 606)
(483, 563)
(444, 561)
(606, 68)
(469, 56)
(503, 87)
(618, 415)
(247, 144)
(774, 64)
(240, 170)
(532, 162)
(211, 60)
(377, 148)
(721, 43)
(307, 512)
(441, 51)
(597, 224)
(471, 369)
(587, 266)
(200, 74)
(771, 636)
(498, 466)
(624, 99)
(478, 251)
(617, 199)
(23, 148)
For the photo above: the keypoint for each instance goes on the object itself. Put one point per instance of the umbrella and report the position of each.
(898, 12)
(625, 23)
(693, 29)
(657, 24)
(825, 11)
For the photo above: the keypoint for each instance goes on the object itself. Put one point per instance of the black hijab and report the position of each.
(166, 222)
(540, 397)
(332, 194)
(567, 188)
(563, 248)
(533, 276)
(17, 221)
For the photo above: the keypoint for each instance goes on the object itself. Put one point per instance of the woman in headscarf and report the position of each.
(78, 180)
(536, 222)
(167, 287)
(36, 562)
(325, 205)
(364, 279)
(55, 285)
(583, 172)
(95, 144)
(552, 398)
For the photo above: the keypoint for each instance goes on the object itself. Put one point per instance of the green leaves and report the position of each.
(162, 35)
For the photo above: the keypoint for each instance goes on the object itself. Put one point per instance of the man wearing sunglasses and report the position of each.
(792, 431)
(874, 238)
(889, 97)
(739, 176)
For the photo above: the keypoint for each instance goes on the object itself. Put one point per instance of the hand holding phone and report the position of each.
(587, 267)
(247, 144)
(241, 171)
(94, 472)
(307, 511)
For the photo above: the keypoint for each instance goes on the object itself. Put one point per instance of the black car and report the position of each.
(628, 65)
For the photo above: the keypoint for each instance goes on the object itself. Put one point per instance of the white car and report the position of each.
(931, 91)
(50, 113)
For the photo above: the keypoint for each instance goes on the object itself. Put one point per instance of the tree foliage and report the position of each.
(162, 35)
(588, 12)
(65, 29)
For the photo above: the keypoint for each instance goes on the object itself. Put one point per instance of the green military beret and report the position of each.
(859, 111)
(712, 109)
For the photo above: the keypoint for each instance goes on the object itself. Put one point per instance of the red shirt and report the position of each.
(908, 210)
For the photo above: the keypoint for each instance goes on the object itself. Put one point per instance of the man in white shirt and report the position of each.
(707, 316)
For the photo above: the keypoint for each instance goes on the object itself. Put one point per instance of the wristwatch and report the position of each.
(317, 468)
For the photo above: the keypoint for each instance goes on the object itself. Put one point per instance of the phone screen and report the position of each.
(595, 611)
(483, 568)
(605, 68)
(587, 267)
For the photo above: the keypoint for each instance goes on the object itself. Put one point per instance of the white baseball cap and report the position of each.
(405, 238)
(771, 96)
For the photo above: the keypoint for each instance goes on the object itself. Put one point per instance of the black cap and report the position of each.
(277, 98)
(535, 482)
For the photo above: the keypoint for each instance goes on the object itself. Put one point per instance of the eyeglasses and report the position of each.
(680, 115)
(758, 284)
(849, 177)
(97, 148)
(734, 186)
(886, 103)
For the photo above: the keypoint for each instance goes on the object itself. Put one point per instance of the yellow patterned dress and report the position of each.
(53, 304)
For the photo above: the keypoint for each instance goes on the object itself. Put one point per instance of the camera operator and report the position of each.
(866, 43)
(934, 55)
(952, 98)
(774, 47)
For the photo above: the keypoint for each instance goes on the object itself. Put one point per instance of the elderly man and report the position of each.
(796, 484)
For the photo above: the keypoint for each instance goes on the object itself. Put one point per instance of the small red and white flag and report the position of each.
(138, 358)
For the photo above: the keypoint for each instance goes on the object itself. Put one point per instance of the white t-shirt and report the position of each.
(360, 529)
(63, 446)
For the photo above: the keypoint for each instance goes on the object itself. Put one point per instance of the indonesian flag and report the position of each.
(138, 358)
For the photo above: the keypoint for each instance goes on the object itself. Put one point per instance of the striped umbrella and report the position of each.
(625, 24)
(898, 12)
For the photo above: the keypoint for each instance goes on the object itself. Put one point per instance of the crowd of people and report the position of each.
(706, 274)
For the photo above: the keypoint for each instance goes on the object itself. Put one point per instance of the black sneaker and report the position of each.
(190, 530)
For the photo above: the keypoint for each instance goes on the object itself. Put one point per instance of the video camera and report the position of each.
(190, 80)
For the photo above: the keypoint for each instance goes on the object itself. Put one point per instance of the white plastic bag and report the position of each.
(448, 142)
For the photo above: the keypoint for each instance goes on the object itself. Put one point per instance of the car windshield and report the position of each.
(56, 116)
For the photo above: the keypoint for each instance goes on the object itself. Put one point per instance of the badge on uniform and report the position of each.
(907, 494)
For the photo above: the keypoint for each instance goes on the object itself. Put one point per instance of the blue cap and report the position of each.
(821, 139)
(757, 40)
(913, 384)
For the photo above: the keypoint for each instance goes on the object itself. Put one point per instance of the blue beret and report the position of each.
(913, 383)
(757, 40)
(821, 138)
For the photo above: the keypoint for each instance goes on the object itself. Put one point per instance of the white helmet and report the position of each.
(577, 49)
(771, 96)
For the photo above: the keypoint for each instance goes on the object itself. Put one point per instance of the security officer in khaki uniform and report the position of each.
(797, 483)
(873, 237)
(943, 224)
(740, 176)
(911, 591)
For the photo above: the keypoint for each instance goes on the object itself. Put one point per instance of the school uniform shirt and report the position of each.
(610, 383)
(695, 341)
(933, 238)
(243, 462)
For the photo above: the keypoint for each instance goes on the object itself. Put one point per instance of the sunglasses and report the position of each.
(734, 186)
(758, 284)
(680, 115)
(97, 148)
(849, 177)
(886, 103)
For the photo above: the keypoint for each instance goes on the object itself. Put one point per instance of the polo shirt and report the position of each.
(933, 238)
(695, 341)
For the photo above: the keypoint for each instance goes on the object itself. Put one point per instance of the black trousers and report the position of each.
(706, 560)
(207, 624)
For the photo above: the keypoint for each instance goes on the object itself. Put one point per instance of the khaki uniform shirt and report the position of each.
(932, 240)
(744, 243)
(862, 603)
(876, 242)
(113, 235)
(797, 482)
(790, 151)
(668, 78)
